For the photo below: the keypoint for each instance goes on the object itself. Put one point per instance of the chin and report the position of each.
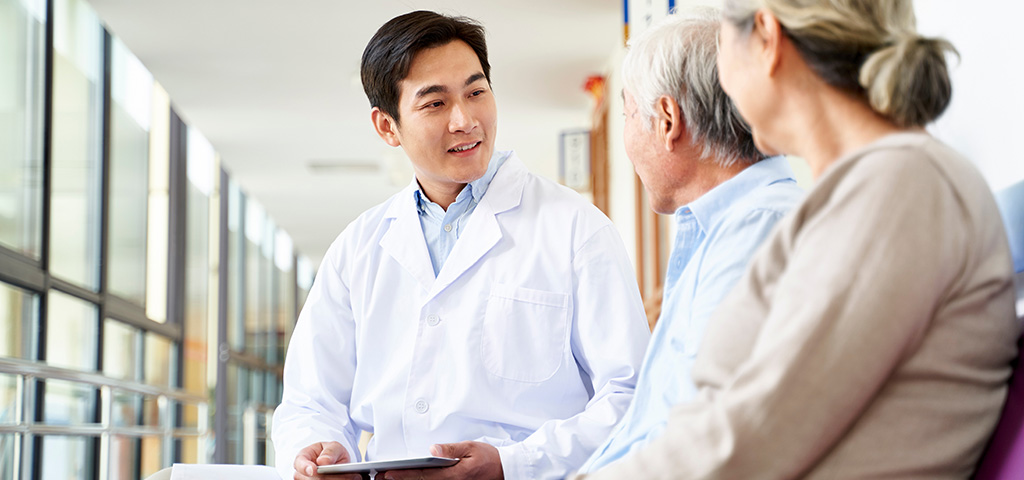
(763, 146)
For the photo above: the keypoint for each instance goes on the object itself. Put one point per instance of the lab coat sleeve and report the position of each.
(854, 299)
(608, 339)
(319, 369)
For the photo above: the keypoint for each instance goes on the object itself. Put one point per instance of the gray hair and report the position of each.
(677, 57)
(868, 47)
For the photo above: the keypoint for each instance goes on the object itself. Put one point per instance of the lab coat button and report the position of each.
(422, 406)
(433, 320)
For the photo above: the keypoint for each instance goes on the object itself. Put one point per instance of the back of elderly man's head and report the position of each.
(677, 57)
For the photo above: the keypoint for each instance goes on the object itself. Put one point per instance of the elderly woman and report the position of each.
(872, 335)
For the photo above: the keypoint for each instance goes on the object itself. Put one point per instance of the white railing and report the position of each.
(22, 422)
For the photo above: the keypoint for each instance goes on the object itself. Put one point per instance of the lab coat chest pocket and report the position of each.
(524, 333)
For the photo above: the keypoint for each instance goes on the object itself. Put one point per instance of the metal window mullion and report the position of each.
(31, 464)
(100, 463)
(18, 270)
(223, 269)
(176, 216)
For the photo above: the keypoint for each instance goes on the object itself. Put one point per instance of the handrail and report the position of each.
(41, 370)
(95, 429)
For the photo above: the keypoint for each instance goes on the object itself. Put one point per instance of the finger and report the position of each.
(332, 453)
(451, 450)
(305, 460)
(407, 474)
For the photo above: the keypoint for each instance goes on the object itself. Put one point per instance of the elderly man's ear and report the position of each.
(668, 123)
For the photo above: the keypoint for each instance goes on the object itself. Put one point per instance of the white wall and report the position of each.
(984, 119)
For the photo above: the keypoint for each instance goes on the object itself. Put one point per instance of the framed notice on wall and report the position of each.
(574, 159)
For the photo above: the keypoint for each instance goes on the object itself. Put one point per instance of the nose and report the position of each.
(461, 119)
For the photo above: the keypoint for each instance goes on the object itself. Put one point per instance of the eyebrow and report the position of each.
(443, 89)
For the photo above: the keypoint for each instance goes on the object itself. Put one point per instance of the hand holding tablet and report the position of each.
(385, 465)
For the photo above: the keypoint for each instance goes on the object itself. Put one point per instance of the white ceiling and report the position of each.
(274, 87)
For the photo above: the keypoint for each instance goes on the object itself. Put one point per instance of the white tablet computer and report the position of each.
(385, 465)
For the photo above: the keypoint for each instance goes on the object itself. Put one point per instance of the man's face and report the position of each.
(641, 144)
(448, 118)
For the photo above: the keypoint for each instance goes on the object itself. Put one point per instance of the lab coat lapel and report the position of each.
(404, 239)
(483, 231)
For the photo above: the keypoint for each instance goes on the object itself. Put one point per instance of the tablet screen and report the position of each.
(385, 465)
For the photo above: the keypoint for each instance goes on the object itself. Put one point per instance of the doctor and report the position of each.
(482, 313)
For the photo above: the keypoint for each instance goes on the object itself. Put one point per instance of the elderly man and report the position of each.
(481, 313)
(698, 162)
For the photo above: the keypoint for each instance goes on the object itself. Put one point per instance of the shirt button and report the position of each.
(448, 227)
(433, 320)
(422, 406)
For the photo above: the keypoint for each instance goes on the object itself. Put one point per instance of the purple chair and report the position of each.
(1004, 459)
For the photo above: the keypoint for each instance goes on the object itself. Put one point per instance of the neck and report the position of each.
(443, 195)
(826, 124)
(703, 177)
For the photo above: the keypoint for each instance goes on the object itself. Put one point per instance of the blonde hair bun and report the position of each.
(907, 80)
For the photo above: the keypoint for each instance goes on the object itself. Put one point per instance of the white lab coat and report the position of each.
(529, 339)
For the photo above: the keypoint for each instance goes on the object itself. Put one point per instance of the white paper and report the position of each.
(184, 471)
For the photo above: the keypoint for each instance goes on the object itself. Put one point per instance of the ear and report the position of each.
(769, 32)
(668, 121)
(385, 126)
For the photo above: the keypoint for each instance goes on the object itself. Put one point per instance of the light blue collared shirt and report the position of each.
(442, 228)
(717, 235)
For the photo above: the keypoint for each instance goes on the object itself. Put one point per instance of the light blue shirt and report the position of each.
(442, 228)
(716, 236)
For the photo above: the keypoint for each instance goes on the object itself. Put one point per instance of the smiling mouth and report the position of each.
(463, 148)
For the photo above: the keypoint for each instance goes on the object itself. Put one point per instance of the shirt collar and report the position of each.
(709, 208)
(477, 188)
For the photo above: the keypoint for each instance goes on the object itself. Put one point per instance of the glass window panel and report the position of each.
(152, 459)
(18, 311)
(189, 447)
(120, 350)
(8, 400)
(122, 457)
(158, 218)
(271, 395)
(189, 415)
(256, 385)
(284, 314)
(152, 416)
(72, 457)
(130, 121)
(197, 278)
(76, 128)
(125, 409)
(237, 388)
(68, 403)
(8, 449)
(255, 277)
(70, 332)
(304, 274)
(236, 278)
(159, 362)
(21, 123)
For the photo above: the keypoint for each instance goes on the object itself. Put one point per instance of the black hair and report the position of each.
(388, 56)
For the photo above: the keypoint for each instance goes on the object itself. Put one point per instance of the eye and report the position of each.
(477, 92)
(437, 104)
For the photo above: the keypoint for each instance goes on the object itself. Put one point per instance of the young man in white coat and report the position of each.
(482, 313)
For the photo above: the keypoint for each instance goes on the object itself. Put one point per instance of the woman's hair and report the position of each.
(868, 47)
